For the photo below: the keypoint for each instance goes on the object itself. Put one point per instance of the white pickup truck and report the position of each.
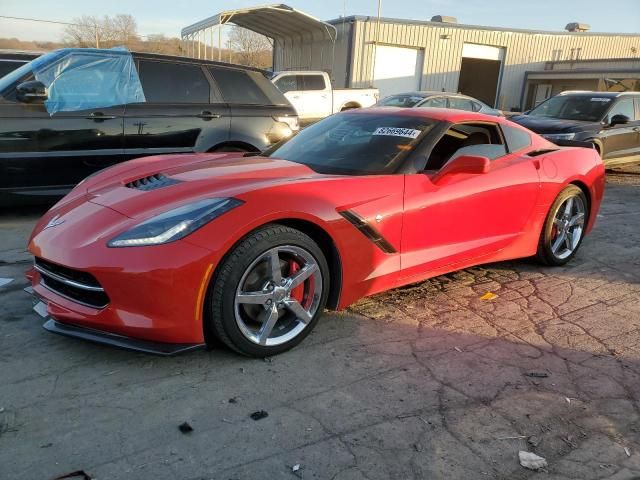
(313, 97)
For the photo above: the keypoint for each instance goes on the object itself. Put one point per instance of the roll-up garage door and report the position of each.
(397, 69)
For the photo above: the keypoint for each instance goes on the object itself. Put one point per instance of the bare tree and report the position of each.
(91, 31)
(250, 48)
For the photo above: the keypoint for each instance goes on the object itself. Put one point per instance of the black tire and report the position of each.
(220, 309)
(545, 252)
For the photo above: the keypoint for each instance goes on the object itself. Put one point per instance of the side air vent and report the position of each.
(152, 182)
(368, 231)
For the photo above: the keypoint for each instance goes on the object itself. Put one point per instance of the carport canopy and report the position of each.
(275, 21)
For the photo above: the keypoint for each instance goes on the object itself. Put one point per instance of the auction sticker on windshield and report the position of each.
(600, 99)
(397, 132)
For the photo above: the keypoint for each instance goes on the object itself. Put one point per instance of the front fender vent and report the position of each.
(368, 231)
(152, 182)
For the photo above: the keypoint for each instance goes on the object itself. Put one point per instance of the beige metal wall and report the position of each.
(523, 51)
(442, 44)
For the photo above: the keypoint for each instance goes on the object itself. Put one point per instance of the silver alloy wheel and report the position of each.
(272, 307)
(568, 227)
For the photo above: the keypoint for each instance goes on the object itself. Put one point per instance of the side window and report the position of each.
(287, 83)
(476, 106)
(624, 107)
(516, 138)
(238, 87)
(9, 66)
(165, 82)
(435, 102)
(467, 139)
(461, 104)
(312, 82)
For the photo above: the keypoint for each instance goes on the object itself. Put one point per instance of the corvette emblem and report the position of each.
(54, 222)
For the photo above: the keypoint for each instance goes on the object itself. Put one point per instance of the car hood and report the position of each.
(156, 185)
(541, 124)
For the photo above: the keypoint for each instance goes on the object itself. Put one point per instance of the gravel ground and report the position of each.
(427, 381)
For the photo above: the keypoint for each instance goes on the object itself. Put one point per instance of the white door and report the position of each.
(543, 91)
(316, 94)
(288, 84)
(397, 69)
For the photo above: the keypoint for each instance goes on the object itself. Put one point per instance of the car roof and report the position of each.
(591, 93)
(429, 93)
(440, 114)
(159, 56)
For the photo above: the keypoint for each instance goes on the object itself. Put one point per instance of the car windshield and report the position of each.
(406, 101)
(355, 143)
(588, 108)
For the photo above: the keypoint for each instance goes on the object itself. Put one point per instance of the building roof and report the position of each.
(276, 21)
(363, 18)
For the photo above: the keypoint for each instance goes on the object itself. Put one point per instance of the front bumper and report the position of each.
(108, 338)
(152, 293)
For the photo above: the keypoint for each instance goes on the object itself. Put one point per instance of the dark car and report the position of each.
(610, 121)
(11, 60)
(456, 101)
(73, 112)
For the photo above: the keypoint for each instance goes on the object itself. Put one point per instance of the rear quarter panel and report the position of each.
(580, 166)
(254, 125)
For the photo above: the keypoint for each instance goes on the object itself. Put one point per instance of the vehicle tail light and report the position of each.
(292, 121)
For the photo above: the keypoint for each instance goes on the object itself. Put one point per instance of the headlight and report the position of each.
(559, 136)
(174, 224)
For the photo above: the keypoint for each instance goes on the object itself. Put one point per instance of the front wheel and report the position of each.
(268, 293)
(564, 227)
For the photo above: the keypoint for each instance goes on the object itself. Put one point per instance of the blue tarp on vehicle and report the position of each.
(83, 79)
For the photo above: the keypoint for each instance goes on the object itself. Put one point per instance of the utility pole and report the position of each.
(95, 29)
(375, 43)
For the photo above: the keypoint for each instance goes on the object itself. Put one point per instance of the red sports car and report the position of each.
(165, 254)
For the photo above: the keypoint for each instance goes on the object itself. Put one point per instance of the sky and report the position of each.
(169, 16)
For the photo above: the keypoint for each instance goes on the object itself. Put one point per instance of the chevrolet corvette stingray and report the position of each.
(168, 253)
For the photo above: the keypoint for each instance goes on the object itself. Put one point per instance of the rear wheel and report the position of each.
(564, 227)
(268, 293)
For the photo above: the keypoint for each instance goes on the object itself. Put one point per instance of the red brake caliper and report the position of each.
(298, 292)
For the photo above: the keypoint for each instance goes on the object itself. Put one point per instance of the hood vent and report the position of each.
(152, 182)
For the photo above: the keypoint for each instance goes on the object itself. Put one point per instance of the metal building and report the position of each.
(396, 55)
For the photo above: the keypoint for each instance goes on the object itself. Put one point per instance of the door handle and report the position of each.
(208, 115)
(100, 116)
(636, 129)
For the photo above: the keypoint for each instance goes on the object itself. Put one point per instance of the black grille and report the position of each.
(152, 182)
(76, 285)
(68, 273)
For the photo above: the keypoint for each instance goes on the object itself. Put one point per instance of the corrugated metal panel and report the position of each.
(524, 51)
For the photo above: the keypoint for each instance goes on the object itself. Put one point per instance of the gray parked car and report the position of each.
(456, 101)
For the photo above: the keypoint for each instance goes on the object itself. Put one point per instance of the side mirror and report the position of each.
(31, 91)
(619, 120)
(470, 164)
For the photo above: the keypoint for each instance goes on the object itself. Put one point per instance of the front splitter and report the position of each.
(119, 341)
(107, 338)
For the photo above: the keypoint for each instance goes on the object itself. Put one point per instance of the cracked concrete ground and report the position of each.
(424, 382)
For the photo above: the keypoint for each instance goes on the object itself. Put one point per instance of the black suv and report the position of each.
(610, 121)
(72, 112)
